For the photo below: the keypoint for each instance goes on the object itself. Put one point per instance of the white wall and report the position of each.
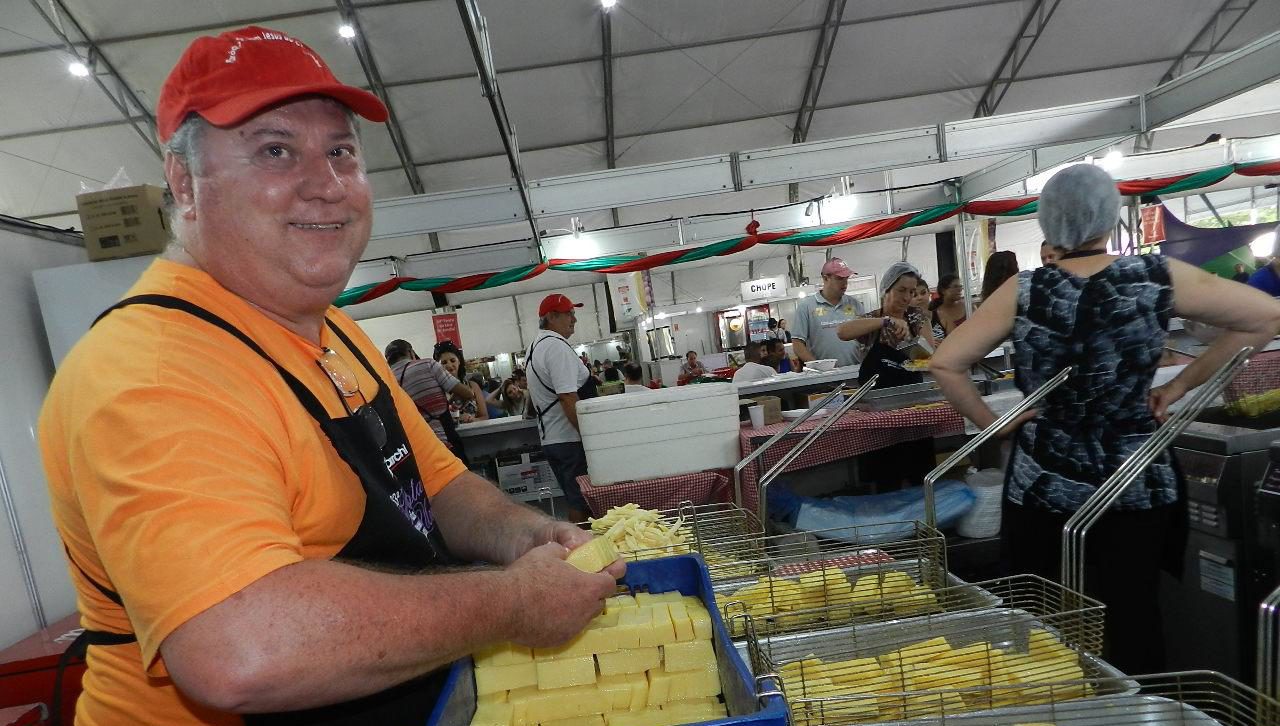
(28, 369)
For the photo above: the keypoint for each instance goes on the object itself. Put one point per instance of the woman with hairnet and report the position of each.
(882, 334)
(1106, 317)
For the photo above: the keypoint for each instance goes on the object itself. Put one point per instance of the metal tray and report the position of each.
(1008, 629)
(1109, 710)
(954, 595)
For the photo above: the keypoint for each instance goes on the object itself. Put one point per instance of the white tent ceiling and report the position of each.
(690, 78)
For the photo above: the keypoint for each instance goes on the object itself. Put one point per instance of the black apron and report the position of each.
(386, 537)
(588, 389)
(887, 361)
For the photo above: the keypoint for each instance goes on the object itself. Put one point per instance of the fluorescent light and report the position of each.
(697, 309)
(1112, 160)
(78, 69)
(661, 316)
(346, 31)
(1263, 245)
(608, 3)
(803, 294)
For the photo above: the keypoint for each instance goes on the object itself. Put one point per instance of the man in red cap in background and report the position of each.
(819, 316)
(557, 381)
(257, 520)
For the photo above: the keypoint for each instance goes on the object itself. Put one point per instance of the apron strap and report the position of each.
(542, 427)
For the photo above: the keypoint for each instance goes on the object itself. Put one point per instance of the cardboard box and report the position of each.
(124, 222)
(525, 474)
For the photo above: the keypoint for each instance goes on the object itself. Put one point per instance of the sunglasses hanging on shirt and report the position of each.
(347, 385)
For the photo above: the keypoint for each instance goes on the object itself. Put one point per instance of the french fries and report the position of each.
(641, 533)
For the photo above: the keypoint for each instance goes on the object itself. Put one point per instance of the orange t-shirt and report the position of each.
(181, 469)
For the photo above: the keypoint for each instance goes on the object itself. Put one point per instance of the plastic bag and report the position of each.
(119, 181)
(951, 498)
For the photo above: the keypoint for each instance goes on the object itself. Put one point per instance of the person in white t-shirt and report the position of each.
(753, 369)
(631, 377)
(556, 378)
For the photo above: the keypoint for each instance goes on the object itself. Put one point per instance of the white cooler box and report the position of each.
(669, 431)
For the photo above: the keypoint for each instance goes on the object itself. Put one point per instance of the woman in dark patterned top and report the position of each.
(1106, 317)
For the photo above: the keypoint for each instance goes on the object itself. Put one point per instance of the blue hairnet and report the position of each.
(1078, 204)
(896, 270)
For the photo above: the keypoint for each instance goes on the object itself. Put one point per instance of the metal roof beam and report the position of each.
(482, 52)
(1241, 70)
(370, 66)
(1206, 42)
(121, 96)
(606, 57)
(813, 81)
(1056, 135)
(1019, 50)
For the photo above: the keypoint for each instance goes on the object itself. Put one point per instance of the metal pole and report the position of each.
(962, 253)
(930, 513)
(1077, 527)
(24, 557)
(1268, 668)
(801, 446)
(737, 470)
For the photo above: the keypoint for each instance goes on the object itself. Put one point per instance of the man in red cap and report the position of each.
(819, 316)
(557, 381)
(246, 499)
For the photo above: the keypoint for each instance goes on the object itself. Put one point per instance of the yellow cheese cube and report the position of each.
(663, 631)
(562, 703)
(491, 679)
(520, 700)
(566, 672)
(647, 717)
(683, 712)
(669, 597)
(498, 697)
(895, 582)
(926, 650)
(594, 719)
(631, 622)
(659, 687)
(702, 682)
(619, 602)
(615, 691)
(502, 654)
(637, 660)
(645, 599)
(680, 622)
(804, 669)
(688, 656)
(639, 691)
(920, 599)
(852, 671)
(599, 637)
(492, 714)
(593, 556)
(700, 619)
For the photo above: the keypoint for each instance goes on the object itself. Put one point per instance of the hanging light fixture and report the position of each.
(78, 69)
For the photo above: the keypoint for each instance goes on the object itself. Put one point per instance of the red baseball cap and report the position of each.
(836, 266)
(556, 303)
(230, 77)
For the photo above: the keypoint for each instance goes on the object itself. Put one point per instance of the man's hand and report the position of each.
(562, 598)
(564, 533)
(1162, 397)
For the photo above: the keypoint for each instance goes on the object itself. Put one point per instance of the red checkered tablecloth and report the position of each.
(667, 492)
(857, 432)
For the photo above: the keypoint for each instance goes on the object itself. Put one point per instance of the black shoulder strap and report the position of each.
(304, 394)
(555, 401)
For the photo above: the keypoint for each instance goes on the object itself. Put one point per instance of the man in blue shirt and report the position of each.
(1267, 277)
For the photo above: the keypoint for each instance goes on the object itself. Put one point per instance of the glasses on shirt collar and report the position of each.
(346, 383)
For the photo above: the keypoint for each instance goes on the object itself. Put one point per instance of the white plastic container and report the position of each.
(670, 431)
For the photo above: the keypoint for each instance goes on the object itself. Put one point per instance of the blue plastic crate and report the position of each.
(685, 573)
